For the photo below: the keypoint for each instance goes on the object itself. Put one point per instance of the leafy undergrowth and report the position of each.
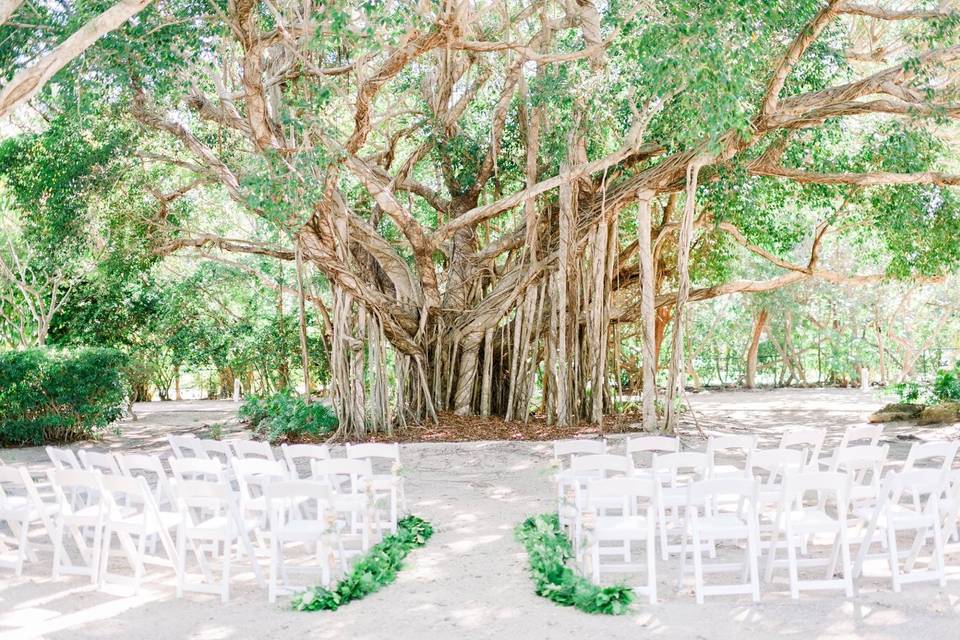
(376, 568)
(548, 550)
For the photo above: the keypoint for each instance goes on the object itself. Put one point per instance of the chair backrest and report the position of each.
(105, 462)
(369, 450)
(79, 483)
(15, 482)
(298, 500)
(797, 486)
(861, 460)
(127, 497)
(246, 449)
(149, 467)
(679, 468)
(255, 474)
(338, 472)
(810, 440)
(63, 458)
(770, 465)
(564, 450)
(922, 454)
(198, 500)
(187, 446)
(293, 452)
(216, 450)
(605, 463)
(745, 443)
(198, 469)
(924, 486)
(858, 433)
(652, 445)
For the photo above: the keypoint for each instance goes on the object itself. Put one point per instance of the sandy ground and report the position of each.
(471, 581)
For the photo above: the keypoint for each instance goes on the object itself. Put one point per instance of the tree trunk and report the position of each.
(759, 322)
(648, 317)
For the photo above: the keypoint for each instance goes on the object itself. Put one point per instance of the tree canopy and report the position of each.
(485, 196)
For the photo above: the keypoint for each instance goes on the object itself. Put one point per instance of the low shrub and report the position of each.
(51, 396)
(945, 387)
(285, 417)
(548, 550)
(376, 568)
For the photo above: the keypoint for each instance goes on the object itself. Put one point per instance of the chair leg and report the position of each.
(697, 565)
(938, 554)
(181, 560)
(595, 561)
(849, 585)
(662, 522)
(893, 559)
(651, 561)
(792, 565)
(753, 544)
(227, 558)
(57, 548)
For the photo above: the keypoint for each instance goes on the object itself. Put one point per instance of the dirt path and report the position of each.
(471, 581)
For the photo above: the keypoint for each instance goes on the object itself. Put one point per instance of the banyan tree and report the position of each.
(496, 191)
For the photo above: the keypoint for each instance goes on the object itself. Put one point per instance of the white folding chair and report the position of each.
(922, 514)
(622, 510)
(574, 480)
(286, 503)
(294, 452)
(800, 519)
(253, 475)
(88, 513)
(808, 440)
(247, 449)
(198, 469)
(211, 523)
(725, 445)
(352, 499)
(187, 446)
(133, 517)
(387, 486)
(564, 451)
(705, 520)
(20, 507)
(675, 472)
(854, 435)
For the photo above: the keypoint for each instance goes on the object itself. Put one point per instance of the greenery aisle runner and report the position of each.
(548, 549)
(376, 568)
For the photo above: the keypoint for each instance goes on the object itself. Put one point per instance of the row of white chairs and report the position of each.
(605, 497)
(247, 503)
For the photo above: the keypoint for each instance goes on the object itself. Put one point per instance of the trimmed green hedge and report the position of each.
(285, 417)
(376, 568)
(548, 549)
(50, 396)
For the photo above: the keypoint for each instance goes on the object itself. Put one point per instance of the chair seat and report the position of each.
(620, 528)
(721, 523)
(167, 519)
(21, 508)
(812, 520)
(726, 471)
(897, 516)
